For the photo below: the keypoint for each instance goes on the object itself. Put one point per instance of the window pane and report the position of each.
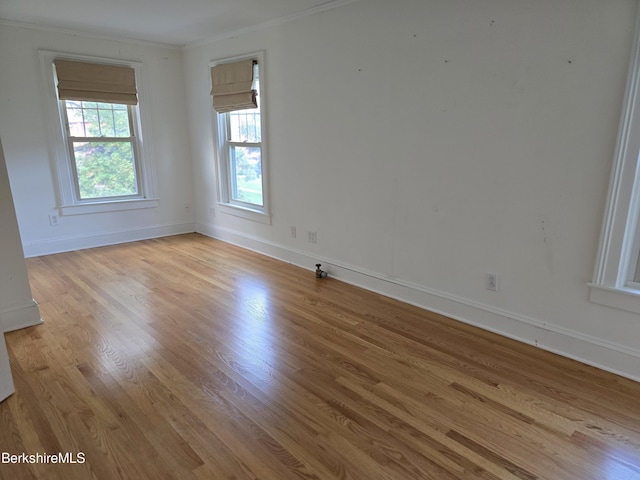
(105, 169)
(106, 122)
(246, 174)
(92, 122)
(244, 125)
(121, 120)
(109, 106)
(91, 119)
(76, 121)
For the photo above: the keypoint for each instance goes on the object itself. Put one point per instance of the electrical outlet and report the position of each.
(212, 211)
(293, 232)
(491, 281)
(312, 237)
(53, 220)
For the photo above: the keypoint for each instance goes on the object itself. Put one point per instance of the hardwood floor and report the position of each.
(188, 358)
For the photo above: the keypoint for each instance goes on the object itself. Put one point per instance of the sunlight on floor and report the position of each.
(254, 326)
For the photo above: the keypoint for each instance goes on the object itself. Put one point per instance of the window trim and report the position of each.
(620, 234)
(225, 203)
(68, 201)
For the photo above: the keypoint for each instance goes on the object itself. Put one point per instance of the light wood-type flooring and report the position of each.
(188, 358)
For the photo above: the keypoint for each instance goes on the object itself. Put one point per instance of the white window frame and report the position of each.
(620, 237)
(69, 201)
(222, 164)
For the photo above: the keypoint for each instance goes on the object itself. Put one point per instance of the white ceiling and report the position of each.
(173, 22)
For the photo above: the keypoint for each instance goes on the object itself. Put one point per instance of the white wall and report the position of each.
(17, 307)
(29, 155)
(430, 141)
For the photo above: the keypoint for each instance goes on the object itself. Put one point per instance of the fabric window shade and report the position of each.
(96, 82)
(231, 86)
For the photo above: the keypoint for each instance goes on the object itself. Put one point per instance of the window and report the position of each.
(95, 117)
(102, 146)
(244, 157)
(240, 152)
(616, 280)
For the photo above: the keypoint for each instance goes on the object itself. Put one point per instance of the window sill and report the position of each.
(111, 206)
(246, 213)
(622, 298)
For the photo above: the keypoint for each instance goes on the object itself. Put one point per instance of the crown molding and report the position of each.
(271, 23)
(100, 36)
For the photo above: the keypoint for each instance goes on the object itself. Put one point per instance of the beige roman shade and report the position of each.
(231, 86)
(96, 82)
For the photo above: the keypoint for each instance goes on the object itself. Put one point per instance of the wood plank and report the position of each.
(185, 357)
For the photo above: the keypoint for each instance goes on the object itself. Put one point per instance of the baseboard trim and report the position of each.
(20, 316)
(608, 356)
(81, 242)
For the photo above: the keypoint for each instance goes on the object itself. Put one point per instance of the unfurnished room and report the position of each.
(311, 239)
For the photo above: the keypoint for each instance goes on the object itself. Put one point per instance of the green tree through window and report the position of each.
(102, 143)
